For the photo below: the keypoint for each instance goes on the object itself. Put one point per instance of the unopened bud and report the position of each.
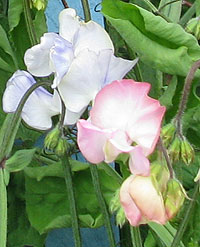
(115, 202)
(61, 147)
(160, 175)
(187, 152)
(174, 197)
(193, 27)
(39, 4)
(52, 138)
(120, 217)
(167, 133)
(197, 178)
(175, 149)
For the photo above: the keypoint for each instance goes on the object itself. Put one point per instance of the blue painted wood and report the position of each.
(55, 6)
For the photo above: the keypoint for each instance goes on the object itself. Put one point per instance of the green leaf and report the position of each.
(161, 45)
(166, 98)
(14, 12)
(47, 202)
(40, 24)
(21, 233)
(20, 160)
(172, 10)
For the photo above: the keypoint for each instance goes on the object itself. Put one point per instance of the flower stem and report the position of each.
(3, 210)
(186, 90)
(72, 201)
(86, 10)
(164, 151)
(185, 221)
(135, 236)
(65, 4)
(97, 187)
(29, 23)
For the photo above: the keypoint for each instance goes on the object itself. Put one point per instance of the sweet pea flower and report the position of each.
(155, 198)
(124, 119)
(40, 106)
(81, 57)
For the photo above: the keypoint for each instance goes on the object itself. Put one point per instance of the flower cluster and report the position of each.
(81, 57)
(123, 118)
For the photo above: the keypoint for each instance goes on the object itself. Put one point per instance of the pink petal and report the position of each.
(91, 141)
(132, 212)
(116, 102)
(138, 163)
(147, 199)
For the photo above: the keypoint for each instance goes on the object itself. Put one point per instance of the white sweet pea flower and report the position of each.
(82, 58)
(40, 106)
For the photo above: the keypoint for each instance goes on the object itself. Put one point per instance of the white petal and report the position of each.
(82, 82)
(69, 24)
(39, 107)
(118, 68)
(92, 36)
(61, 56)
(72, 117)
(37, 58)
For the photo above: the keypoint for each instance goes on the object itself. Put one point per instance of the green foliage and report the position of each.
(46, 198)
(162, 45)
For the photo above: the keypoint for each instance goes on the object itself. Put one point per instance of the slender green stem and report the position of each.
(185, 221)
(86, 9)
(188, 15)
(72, 201)
(29, 23)
(135, 236)
(3, 210)
(97, 187)
(186, 90)
(13, 125)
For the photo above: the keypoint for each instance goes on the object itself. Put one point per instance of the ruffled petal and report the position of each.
(147, 199)
(91, 141)
(82, 82)
(37, 58)
(61, 56)
(40, 106)
(118, 68)
(93, 37)
(132, 212)
(116, 103)
(69, 24)
(138, 163)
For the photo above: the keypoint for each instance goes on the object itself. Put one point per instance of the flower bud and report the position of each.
(120, 217)
(61, 147)
(115, 202)
(197, 178)
(39, 4)
(175, 149)
(160, 175)
(167, 133)
(187, 152)
(175, 197)
(193, 27)
(52, 138)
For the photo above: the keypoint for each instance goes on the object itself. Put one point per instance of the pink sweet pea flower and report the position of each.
(124, 119)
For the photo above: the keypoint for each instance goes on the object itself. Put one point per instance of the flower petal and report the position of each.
(147, 199)
(39, 107)
(115, 104)
(138, 163)
(69, 24)
(72, 117)
(132, 212)
(91, 141)
(93, 37)
(82, 82)
(61, 56)
(37, 58)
